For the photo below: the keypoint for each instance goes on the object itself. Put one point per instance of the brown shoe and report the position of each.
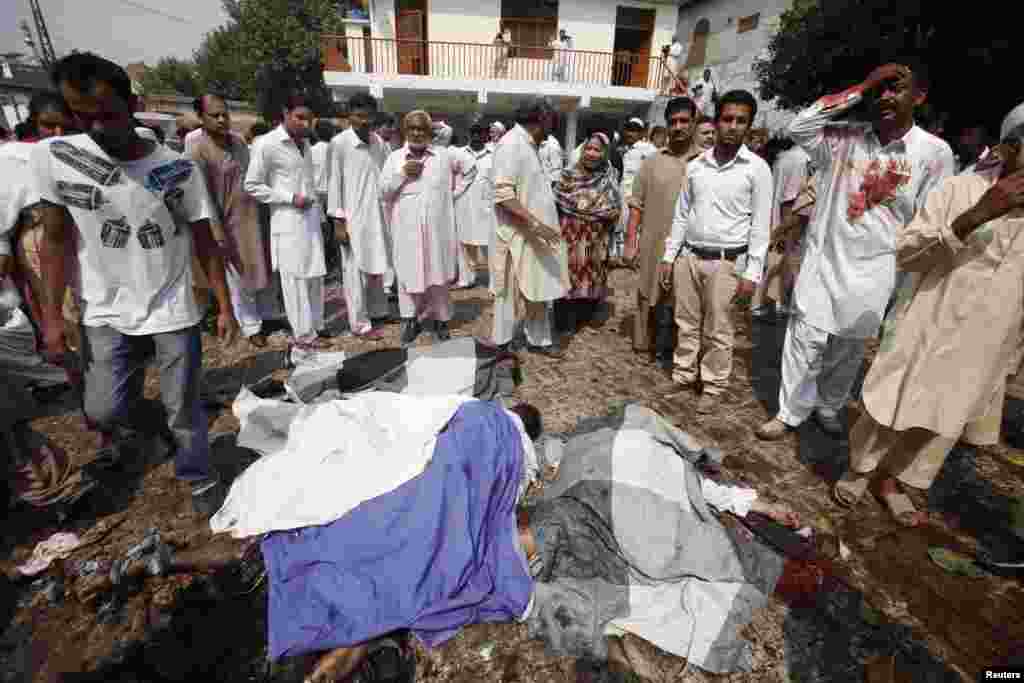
(707, 404)
(772, 430)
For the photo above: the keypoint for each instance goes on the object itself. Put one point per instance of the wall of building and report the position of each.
(463, 21)
(591, 23)
(731, 55)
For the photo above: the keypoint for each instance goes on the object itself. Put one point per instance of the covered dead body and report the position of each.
(390, 514)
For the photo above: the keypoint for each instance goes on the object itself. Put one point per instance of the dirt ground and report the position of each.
(896, 605)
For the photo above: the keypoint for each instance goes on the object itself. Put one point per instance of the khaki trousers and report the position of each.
(704, 291)
(915, 456)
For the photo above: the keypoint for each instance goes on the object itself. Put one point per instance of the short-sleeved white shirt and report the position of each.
(133, 217)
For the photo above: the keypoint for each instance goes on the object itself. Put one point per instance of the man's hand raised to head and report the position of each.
(886, 72)
(1002, 198)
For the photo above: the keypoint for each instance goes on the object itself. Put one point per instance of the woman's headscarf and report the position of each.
(591, 194)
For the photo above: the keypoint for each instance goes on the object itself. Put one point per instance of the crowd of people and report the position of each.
(858, 229)
(705, 210)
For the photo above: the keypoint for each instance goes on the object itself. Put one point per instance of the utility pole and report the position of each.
(30, 40)
(46, 53)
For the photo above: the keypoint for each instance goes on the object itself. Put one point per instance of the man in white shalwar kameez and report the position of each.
(474, 210)
(354, 202)
(281, 175)
(529, 261)
(418, 185)
(870, 180)
(952, 337)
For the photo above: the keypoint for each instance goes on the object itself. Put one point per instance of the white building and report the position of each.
(440, 55)
(728, 37)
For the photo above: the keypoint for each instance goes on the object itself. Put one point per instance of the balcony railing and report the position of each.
(386, 56)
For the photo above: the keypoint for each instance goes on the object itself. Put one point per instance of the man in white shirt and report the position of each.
(871, 178)
(722, 219)
(474, 210)
(705, 94)
(321, 163)
(136, 207)
(635, 151)
(281, 176)
(354, 202)
(551, 158)
(529, 263)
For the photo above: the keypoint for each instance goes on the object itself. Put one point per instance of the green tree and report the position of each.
(221, 64)
(281, 41)
(171, 75)
(824, 46)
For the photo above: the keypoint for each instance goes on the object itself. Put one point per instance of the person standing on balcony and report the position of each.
(223, 158)
(871, 179)
(529, 266)
(502, 48)
(280, 175)
(652, 206)
(721, 223)
(419, 184)
(474, 210)
(705, 94)
(354, 199)
(635, 149)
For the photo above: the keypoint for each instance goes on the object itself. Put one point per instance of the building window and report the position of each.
(533, 25)
(699, 43)
(748, 23)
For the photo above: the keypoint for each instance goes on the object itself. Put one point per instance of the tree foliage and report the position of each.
(281, 40)
(221, 64)
(268, 48)
(171, 75)
(826, 45)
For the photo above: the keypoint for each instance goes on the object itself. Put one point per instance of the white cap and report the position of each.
(146, 133)
(1014, 119)
(499, 125)
(637, 121)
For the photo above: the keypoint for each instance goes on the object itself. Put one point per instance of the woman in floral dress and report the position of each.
(589, 205)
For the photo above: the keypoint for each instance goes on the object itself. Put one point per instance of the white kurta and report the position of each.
(866, 194)
(279, 170)
(421, 213)
(542, 274)
(354, 193)
(474, 210)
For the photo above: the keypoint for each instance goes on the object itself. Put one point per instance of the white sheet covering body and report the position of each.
(338, 454)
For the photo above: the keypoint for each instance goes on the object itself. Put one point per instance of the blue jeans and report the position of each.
(115, 368)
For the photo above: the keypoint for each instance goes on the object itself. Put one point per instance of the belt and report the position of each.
(717, 254)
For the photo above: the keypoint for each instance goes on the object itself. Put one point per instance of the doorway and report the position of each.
(411, 34)
(634, 31)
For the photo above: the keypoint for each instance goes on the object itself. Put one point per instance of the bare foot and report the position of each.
(777, 512)
(899, 505)
(337, 665)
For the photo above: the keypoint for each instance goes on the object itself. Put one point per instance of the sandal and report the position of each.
(850, 488)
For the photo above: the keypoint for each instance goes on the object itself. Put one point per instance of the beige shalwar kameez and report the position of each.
(525, 276)
(655, 193)
(950, 341)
